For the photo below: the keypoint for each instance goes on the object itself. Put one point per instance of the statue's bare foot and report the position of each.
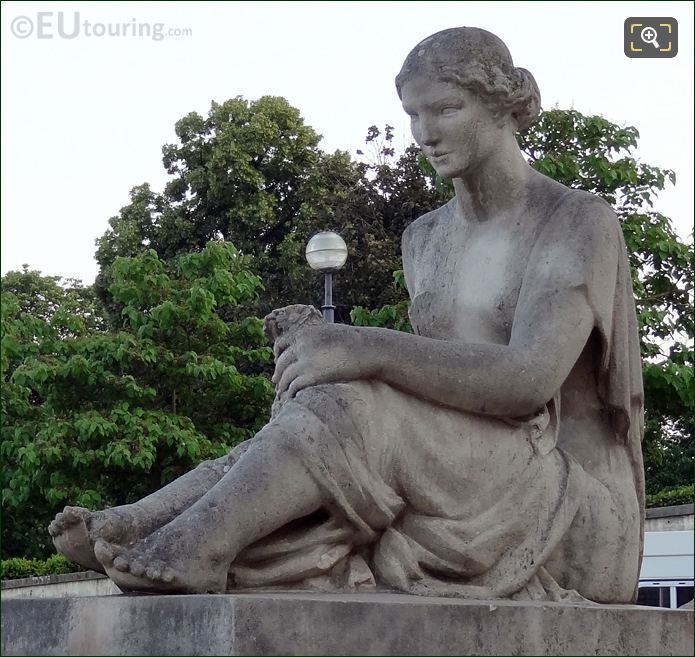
(164, 564)
(76, 530)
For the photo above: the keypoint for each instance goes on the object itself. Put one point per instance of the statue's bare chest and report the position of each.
(468, 282)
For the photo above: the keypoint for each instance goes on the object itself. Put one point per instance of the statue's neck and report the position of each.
(497, 189)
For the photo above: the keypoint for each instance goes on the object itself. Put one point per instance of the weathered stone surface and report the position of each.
(495, 453)
(332, 624)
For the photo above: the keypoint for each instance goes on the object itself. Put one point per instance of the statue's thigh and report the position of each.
(449, 461)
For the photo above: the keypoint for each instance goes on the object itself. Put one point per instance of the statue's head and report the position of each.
(478, 61)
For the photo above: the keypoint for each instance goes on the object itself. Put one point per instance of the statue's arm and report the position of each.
(553, 321)
(503, 380)
(572, 272)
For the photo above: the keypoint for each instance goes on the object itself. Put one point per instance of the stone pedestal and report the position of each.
(331, 624)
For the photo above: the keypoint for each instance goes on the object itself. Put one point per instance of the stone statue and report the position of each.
(493, 454)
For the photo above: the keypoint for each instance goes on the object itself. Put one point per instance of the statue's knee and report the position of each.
(281, 442)
(217, 466)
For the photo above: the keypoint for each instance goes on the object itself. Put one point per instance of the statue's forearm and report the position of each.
(480, 378)
(494, 379)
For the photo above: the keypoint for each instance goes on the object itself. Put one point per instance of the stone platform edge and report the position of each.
(335, 624)
(42, 580)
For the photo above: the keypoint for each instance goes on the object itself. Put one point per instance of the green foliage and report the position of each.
(252, 173)
(672, 496)
(95, 418)
(19, 568)
(249, 173)
(393, 316)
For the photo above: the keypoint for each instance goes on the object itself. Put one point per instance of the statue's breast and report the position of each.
(468, 287)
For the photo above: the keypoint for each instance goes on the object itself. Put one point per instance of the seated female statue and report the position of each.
(495, 453)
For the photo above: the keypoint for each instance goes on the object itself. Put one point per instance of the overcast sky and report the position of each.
(84, 118)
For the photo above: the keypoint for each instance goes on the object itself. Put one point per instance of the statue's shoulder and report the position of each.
(579, 241)
(580, 202)
(418, 236)
(580, 216)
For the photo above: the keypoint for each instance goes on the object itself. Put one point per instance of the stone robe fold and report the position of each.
(431, 500)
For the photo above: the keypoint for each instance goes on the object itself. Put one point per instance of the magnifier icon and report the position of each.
(648, 35)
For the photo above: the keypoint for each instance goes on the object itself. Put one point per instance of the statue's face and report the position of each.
(454, 128)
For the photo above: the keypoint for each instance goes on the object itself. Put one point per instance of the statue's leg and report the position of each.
(76, 529)
(599, 555)
(267, 488)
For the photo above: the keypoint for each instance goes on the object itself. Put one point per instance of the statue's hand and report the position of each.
(316, 354)
(280, 323)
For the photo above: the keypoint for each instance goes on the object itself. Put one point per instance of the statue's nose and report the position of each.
(429, 135)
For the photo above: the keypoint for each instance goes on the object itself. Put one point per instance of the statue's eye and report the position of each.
(449, 110)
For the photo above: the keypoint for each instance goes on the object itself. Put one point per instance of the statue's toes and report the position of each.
(67, 518)
(60, 523)
(160, 572)
(57, 525)
(119, 563)
(154, 572)
(137, 568)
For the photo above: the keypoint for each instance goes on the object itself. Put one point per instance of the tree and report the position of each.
(252, 173)
(95, 417)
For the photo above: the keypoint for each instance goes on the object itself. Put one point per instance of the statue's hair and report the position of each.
(478, 60)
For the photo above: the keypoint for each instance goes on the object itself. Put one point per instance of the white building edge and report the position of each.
(666, 577)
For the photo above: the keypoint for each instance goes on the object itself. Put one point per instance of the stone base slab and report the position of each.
(332, 624)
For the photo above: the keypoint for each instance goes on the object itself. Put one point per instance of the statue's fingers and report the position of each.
(283, 382)
(282, 362)
(281, 344)
(290, 373)
(298, 385)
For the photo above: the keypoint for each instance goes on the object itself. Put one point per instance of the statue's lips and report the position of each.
(438, 156)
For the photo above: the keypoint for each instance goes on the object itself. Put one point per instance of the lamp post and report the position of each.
(327, 252)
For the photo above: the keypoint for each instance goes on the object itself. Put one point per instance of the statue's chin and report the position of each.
(445, 169)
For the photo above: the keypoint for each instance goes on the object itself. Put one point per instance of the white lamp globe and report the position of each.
(326, 251)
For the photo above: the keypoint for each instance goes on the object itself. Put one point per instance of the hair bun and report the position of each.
(526, 99)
